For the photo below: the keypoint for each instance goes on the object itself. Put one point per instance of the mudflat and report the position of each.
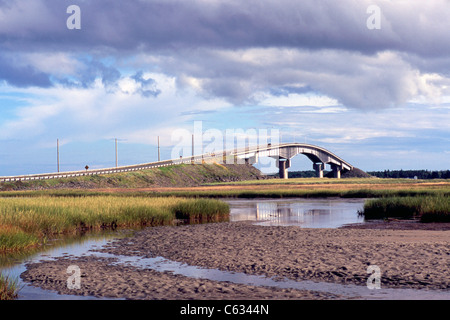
(406, 259)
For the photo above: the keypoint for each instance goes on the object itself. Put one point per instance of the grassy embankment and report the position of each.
(183, 175)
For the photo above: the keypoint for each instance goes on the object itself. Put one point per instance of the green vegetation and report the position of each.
(301, 193)
(13, 239)
(8, 288)
(391, 174)
(435, 208)
(201, 210)
(29, 221)
(323, 181)
(419, 174)
(273, 188)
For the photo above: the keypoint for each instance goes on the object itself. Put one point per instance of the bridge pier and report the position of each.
(282, 167)
(319, 169)
(336, 171)
(251, 160)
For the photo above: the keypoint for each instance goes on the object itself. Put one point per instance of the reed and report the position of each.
(14, 239)
(202, 210)
(28, 221)
(281, 192)
(434, 208)
(8, 288)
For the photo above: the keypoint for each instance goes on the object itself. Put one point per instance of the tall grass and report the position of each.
(201, 210)
(281, 192)
(14, 239)
(8, 288)
(435, 208)
(26, 220)
(275, 188)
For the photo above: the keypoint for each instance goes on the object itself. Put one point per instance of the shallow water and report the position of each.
(79, 248)
(305, 213)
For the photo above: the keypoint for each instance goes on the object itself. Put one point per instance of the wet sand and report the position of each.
(101, 278)
(407, 259)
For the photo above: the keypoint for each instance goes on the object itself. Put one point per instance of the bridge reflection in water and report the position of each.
(306, 213)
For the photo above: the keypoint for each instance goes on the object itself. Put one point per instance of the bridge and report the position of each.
(282, 153)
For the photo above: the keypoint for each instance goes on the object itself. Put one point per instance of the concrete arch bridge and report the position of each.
(284, 152)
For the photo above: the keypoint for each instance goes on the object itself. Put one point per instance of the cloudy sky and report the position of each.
(372, 86)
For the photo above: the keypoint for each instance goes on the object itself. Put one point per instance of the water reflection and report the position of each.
(306, 213)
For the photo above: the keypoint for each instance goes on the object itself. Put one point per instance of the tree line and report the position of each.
(420, 174)
(406, 174)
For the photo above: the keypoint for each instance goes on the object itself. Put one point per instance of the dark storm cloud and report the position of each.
(172, 24)
(21, 75)
(324, 46)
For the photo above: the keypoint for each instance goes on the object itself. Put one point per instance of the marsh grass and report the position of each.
(28, 221)
(202, 210)
(14, 239)
(8, 288)
(434, 208)
(323, 181)
(281, 192)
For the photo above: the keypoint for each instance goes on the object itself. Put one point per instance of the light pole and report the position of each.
(57, 153)
(117, 150)
(117, 162)
(159, 153)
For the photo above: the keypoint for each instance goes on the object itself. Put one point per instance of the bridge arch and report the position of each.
(283, 153)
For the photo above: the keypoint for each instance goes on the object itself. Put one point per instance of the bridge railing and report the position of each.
(79, 173)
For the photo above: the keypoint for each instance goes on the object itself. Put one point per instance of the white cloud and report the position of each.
(296, 100)
(55, 63)
(93, 113)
